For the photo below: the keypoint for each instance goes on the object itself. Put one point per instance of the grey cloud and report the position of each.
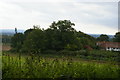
(18, 13)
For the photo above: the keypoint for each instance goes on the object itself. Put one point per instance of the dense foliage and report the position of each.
(117, 37)
(17, 41)
(59, 36)
(103, 37)
(6, 39)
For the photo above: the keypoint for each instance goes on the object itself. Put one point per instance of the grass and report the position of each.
(45, 67)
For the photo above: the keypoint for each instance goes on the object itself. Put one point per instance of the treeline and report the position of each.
(104, 37)
(59, 36)
(6, 39)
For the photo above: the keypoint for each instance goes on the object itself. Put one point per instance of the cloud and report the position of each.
(61, 1)
(100, 29)
(23, 14)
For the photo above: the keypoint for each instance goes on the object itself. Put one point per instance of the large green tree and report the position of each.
(17, 41)
(62, 34)
(35, 42)
(86, 40)
(117, 37)
(103, 37)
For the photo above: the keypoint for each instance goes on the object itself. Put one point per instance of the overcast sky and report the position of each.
(90, 17)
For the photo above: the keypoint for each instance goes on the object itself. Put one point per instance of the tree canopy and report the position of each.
(59, 36)
(17, 41)
(103, 37)
(117, 37)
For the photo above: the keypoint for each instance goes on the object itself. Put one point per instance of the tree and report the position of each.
(103, 37)
(86, 40)
(17, 41)
(35, 42)
(117, 37)
(59, 36)
(53, 41)
(62, 34)
(28, 31)
(63, 25)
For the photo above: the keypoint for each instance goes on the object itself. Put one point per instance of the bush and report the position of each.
(68, 53)
(82, 52)
(50, 52)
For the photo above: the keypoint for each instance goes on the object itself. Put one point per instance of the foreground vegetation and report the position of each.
(35, 66)
(57, 52)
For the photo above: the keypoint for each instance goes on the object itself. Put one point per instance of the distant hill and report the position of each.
(97, 35)
(9, 31)
(12, 32)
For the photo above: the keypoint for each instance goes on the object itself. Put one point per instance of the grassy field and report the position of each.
(15, 66)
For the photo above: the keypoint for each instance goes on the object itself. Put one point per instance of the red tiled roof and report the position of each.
(109, 44)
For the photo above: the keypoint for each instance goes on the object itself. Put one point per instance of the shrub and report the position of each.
(38, 67)
(50, 52)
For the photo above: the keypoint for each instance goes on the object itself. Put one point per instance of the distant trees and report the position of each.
(103, 37)
(6, 39)
(117, 37)
(59, 36)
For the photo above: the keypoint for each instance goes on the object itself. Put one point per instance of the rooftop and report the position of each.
(109, 44)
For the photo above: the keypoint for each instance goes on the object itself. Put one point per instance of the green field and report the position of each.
(34, 66)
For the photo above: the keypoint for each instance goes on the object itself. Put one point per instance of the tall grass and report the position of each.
(39, 67)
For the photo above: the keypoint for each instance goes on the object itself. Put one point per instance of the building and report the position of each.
(110, 46)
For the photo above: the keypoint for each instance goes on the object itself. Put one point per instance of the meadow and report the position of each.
(44, 66)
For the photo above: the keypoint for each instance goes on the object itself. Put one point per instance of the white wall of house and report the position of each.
(113, 49)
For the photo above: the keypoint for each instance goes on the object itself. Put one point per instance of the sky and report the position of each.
(89, 16)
